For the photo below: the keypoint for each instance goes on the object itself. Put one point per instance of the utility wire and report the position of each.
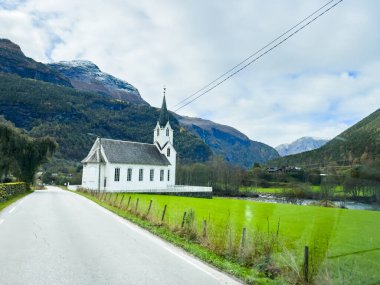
(252, 55)
(258, 57)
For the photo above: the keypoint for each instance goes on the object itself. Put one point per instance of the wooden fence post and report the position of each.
(129, 201)
(242, 245)
(306, 264)
(163, 214)
(150, 205)
(114, 202)
(121, 201)
(183, 219)
(137, 204)
(204, 228)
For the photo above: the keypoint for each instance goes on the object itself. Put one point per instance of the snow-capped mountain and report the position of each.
(86, 76)
(300, 145)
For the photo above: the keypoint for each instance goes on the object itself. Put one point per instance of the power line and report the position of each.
(256, 52)
(258, 57)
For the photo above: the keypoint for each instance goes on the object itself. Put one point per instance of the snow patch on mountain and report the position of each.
(84, 75)
(300, 145)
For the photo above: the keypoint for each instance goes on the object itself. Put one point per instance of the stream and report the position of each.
(348, 204)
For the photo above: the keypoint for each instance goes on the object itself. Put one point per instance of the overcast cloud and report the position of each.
(319, 83)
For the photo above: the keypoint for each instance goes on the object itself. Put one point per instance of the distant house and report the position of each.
(274, 169)
(115, 165)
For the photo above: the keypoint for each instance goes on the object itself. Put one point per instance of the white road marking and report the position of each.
(11, 210)
(157, 241)
(191, 260)
(1, 221)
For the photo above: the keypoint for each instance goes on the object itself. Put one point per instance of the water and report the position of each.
(348, 204)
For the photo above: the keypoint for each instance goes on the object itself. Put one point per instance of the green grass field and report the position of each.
(347, 240)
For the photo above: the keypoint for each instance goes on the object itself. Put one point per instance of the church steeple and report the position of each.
(164, 115)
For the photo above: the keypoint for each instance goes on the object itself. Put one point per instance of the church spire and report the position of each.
(164, 115)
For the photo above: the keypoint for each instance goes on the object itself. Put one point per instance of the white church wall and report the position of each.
(90, 176)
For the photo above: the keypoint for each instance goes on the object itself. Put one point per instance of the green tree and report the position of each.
(21, 154)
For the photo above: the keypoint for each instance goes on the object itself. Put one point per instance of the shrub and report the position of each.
(9, 190)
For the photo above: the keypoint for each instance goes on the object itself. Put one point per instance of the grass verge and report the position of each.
(12, 200)
(247, 275)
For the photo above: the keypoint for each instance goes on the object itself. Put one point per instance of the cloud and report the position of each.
(318, 83)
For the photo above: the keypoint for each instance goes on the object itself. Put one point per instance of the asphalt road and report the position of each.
(57, 237)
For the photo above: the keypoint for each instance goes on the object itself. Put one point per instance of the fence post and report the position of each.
(306, 264)
(163, 214)
(129, 201)
(204, 228)
(243, 240)
(137, 204)
(150, 205)
(183, 219)
(114, 202)
(121, 201)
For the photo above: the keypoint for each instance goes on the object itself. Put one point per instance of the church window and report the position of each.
(151, 175)
(117, 174)
(161, 175)
(105, 182)
(141, 174)
(129, 174)
(158, 131)
(167, 132)
(168, 152)
(168, 175)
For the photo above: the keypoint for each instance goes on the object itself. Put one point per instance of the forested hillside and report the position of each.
(358, 144)
(75, 118)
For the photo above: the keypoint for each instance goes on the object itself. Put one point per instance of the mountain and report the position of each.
(79, 74)
(358, 144)
(13, 60)
(124, 111)
(76, 118)
(300, 145)
(228, 142)
(86, 76)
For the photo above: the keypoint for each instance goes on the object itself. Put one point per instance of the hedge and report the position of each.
(9, 190)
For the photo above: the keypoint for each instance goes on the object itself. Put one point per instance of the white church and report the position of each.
(124, 166)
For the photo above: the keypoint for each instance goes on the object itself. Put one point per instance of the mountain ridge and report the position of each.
(357, 144)
(86, 76)
(218, 137)
(13, 60)
(300, 145)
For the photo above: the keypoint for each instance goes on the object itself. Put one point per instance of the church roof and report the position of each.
(126, 152)
(164, 114)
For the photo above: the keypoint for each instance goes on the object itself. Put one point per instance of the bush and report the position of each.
(9, 190)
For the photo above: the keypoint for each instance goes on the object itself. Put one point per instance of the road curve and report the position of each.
(58, 237)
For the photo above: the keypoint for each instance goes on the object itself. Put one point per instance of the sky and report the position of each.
(318, 83)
